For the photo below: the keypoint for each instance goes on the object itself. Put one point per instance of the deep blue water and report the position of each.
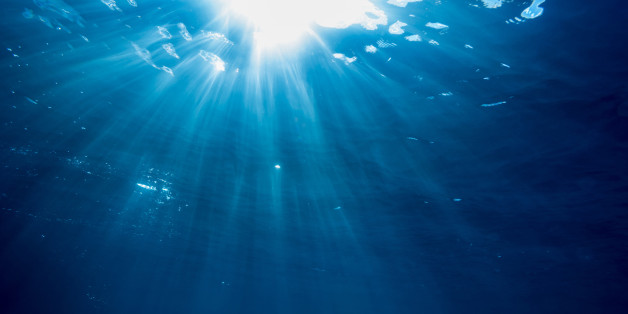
(296, 182)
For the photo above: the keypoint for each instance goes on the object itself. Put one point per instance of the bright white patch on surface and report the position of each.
(534, 10)
(169, 48)
(413, 38)
(384, 44)
(436, 25)
(433, 42)
(167, 70)
(111, 4)
(401, 3)
(286, 21)
(396, 28)
(165, 34)
(344, 58)
(492, 4)
(145, 55)
(370, 49)
(213, 59)
(184, 32)
(277, 167)
(216, 36)
(132, 3)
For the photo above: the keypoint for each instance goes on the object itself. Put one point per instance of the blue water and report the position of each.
(482, 169)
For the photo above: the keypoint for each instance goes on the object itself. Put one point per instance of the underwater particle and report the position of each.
(277, 166)
(45, 20)
(397, 28)
(457, 199)
(31, 100)
(433, 42)
(494, 104)
(505, 65)
(370, 49)
(132, 3)
(446, 94)
(468, 46)
(337, 208)
(28, 13)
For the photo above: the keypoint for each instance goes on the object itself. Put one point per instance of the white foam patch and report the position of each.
(401, 3)
(148, 187)
(184, 32)
(344, 58)
(436, 25)
(534, 10)
(385, 44)
(145, 55)
(492, 4)
(397, 28)
(169, 48)
(414, 38)
(219, 64)
(164, 33)
(111, 4)
(370, 49)
(216, 36)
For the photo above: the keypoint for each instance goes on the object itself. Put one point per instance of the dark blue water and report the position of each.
(291, 181)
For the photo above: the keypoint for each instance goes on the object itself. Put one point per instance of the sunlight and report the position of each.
(282, 22)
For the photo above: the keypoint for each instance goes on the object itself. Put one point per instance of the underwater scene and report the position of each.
(313, 156)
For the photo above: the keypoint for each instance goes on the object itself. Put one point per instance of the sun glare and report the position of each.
(282, 22)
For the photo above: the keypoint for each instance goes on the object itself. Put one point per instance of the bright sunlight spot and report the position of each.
(281, 22)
